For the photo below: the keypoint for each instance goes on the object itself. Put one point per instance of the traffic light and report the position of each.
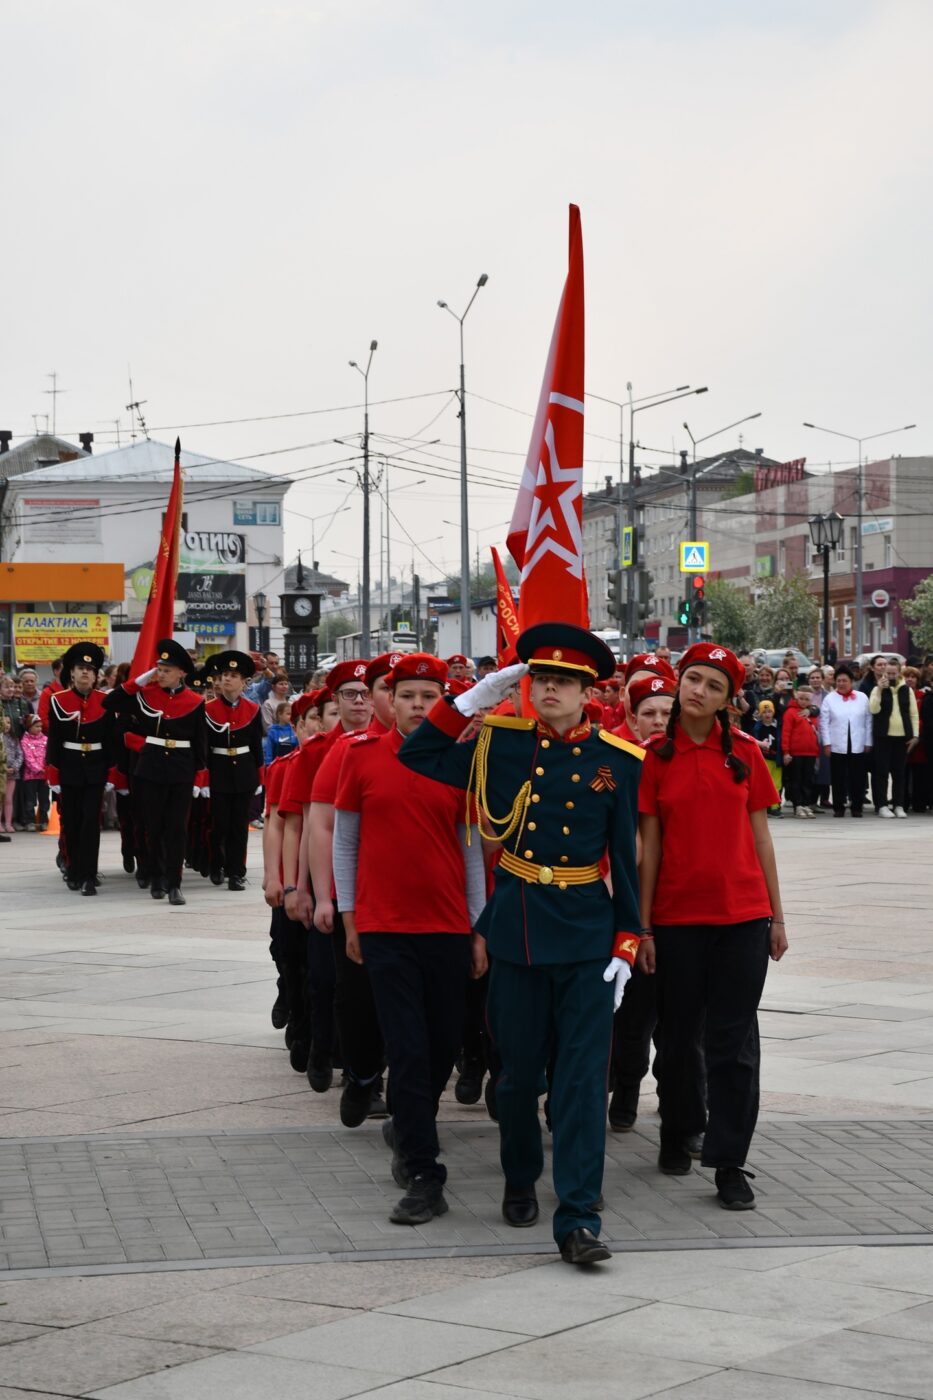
(614, 594)
(642, 599)
(685, 616)
(699, 599)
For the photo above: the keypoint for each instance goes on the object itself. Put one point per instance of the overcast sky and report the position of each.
(235, 198)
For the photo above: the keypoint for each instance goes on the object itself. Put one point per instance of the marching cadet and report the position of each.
(409, 923)
(198, 840)
(646, 663)
(711, 916)
(558, 794)
(78, 759)
(234, 765)
(170, 765)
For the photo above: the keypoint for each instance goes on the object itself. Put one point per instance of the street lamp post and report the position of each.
(466, 639)
(635, 407)
(364, 601)
(259, 602)
(693, 475)
(859, 601)
(826, 532)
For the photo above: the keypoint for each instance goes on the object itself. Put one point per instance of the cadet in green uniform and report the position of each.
(558, 794)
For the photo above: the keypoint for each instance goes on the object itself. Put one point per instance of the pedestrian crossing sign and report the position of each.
(694, 556)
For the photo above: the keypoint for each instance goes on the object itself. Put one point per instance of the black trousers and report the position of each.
(847, 772)
(229, 832)
(321, 986)
(419, 983)
(35, 796)
(358, 1029)
(289, 944)
(164, 809)
(138, 821)
(799, 781)
(633, 1027)
(474, 1020)
(80, 816)
(890, 766)
(125, 823)
(719, 971)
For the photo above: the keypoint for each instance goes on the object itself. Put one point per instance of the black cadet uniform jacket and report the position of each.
(234, 745)
(171, 726)
(79, 751)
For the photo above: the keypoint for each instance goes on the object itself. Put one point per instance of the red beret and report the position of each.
(418, 666)
(456, 686)
(647, 661)
(302, 703)
(646, 687)
(346, 671)
(719, 659)
(381, 666)
(458, 659)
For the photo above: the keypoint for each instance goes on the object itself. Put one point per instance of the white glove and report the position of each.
(619, 971)
(258, 790)
(196, 791)
(54, 787)
(145, 678)
(123, 792)
(108, 787)
(490, 690)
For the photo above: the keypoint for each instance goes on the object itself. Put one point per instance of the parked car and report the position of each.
(774, 657)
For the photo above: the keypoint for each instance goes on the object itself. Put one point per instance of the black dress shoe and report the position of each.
(469, 1086)
(129, 864)
(235, 883)
(519, 1206)
(298, 1053)
(355, 1103)
(142, 880)
(674, 1161)
(320, 1072)
(217, 877)
(157, 891)
(73, 884)
(175, 896)
(582, 1247)
(89, 887)
(279, 1011)
(623, 1109)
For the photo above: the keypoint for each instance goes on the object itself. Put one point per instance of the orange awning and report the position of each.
(62, 583)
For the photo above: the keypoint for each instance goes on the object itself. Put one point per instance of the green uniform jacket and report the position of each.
(583, 803)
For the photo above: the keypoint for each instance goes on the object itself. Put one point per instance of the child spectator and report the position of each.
(281, 737)
(13, 754)
(35, 788)
(768, 737)
(800, 745)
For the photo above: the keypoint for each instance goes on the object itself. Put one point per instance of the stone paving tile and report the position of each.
(98, 1200)
(84, 1358)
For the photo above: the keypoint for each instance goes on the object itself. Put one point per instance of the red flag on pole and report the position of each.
(546, 535)
(159, 620)
(506, 616)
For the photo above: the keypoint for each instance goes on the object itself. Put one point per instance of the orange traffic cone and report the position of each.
(54, 826)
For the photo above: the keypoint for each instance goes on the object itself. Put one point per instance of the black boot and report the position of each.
(279, 1009)
(236, 883)
(175, 896)
(320, 1071)
(142, 879)
(89, 887)
(157, 891)
(469, 1086)
(623, 1109)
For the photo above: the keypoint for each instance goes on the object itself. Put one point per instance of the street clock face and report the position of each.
(302, 607)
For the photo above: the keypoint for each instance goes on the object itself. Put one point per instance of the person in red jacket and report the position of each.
(800, 745)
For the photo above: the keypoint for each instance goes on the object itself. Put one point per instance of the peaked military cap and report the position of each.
(81, 654)
(172, 653)
(562, 646)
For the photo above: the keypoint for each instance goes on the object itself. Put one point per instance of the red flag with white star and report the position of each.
(546, 535)
(506, 614)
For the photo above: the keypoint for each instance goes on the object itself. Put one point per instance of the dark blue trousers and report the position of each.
(558, 1014)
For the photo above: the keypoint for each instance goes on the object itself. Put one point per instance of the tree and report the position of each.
(483, 583)
(918, 610)
(334, 625)
(731, 615)
(786, 613)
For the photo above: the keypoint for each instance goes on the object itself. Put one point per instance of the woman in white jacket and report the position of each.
(845, 734)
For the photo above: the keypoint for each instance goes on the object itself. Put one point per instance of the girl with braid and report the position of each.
(711, 916)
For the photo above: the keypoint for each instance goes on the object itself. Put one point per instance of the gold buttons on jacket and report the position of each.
(539, 772)
(569, 806)
(564, 860)
(532, 826)
(528, 855)
(576, 752)
(545, 743)
(575, 777)
(565, 830)
(536, 797)
(562, 884)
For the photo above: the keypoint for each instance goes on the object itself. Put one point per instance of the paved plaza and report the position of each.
(180, 1216)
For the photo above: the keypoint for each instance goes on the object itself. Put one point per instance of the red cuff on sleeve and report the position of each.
(51, 776)
(625, 947)
(117, 778)
(132, 740)
(202, 778)
(448, 719)
(131, 687)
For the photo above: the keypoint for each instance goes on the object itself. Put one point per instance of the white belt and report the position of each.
(230, 752)
(82, 748)
(169, 743)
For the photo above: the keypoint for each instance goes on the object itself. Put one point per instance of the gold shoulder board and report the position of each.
(509, 722)
(618, 743)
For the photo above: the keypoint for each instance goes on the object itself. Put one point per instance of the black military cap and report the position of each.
(563, 647)
(172, 653)
(81, 654)
(197, 678)
(238, 662)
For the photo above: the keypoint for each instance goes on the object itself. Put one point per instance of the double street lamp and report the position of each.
(466, 638)
(826, 532)
(850, 437)
(364, 601)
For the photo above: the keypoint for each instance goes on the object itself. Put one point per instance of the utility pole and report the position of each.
(466, 626)
(54, 393)
(365, 627)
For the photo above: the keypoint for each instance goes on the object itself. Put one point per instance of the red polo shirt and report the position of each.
(410, 876)
(296, 789)
(327, 778)
(709, 873)
(275, 776)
